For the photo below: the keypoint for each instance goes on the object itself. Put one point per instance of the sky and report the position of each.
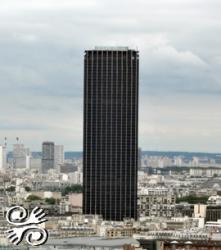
(42, 44)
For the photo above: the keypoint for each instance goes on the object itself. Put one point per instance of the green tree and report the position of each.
(33, 197)
(27, 189)
(10, 189)
(72, 189)
(50, 201)
(193, 199)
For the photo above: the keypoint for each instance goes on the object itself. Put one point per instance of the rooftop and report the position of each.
(93, 241)
(111, 48)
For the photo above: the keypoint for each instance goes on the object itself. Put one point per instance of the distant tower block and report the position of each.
(58, 156)
(20, 155)
(48, 149)
(3, 158)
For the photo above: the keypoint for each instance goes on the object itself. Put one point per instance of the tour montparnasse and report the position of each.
(111, 81)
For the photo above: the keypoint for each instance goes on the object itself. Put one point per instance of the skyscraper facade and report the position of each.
(58, 156)
(47, 156)
(110, 132)
(21, 156)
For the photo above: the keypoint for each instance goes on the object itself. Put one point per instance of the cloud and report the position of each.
(41, 68)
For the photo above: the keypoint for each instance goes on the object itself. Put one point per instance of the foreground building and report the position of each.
(88, 243)
(110, 132)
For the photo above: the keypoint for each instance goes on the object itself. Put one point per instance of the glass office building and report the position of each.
(110, 158)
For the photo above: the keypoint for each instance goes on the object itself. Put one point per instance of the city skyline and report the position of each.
(110, 133)
(41, 84)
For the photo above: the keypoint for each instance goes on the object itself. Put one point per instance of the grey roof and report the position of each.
(111, 48)
(93, 241)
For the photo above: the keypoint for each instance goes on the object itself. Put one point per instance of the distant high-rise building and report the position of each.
(58, 156)
(3, 158)
(21, 156)
(110, 132)
(47, 156)
(35, 163)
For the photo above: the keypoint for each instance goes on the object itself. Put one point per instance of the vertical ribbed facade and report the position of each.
(110, 133)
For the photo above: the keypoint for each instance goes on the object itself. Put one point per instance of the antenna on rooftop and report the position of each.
(17, 139)
(5, 141)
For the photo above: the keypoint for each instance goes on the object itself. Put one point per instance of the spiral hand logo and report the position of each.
(26, 227)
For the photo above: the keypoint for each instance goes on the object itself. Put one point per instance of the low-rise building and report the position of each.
(158, 202)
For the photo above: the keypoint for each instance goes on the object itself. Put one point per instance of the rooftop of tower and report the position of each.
(123, 48)
(112, 48)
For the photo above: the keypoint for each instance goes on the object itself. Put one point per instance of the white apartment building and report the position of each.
(3, 158)
(205, 171)
(156, 202)
(58, 156)
(214, 200)
(21, 156)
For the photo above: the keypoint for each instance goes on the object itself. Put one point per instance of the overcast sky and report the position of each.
(42, 43)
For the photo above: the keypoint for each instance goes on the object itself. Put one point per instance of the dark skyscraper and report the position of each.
(111, 132)
(47, 156)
